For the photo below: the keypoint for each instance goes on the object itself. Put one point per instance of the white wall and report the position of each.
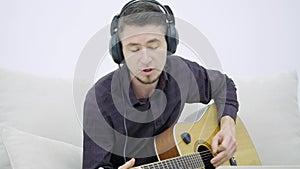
(250, 37)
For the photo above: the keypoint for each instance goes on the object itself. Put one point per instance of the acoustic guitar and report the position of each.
(188, 145)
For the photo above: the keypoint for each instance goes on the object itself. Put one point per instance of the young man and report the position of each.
(127, 108)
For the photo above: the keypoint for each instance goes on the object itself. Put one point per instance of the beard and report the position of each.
(148, 81)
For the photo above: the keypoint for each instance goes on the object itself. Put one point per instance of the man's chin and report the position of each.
(147, 81)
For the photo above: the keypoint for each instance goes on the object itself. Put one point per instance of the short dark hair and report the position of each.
(141, 14)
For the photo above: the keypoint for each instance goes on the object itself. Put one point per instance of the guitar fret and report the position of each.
(168, 164)
(194, 161)
(190, 161)
(185, 162)
(173, 163)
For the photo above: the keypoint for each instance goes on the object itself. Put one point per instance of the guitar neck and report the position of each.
(188, 161)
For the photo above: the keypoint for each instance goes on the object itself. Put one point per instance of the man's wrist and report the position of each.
(227, 121)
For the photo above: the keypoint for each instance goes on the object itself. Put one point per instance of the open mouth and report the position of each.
(147, 70)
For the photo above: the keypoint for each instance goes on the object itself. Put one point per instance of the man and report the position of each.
(127, 108)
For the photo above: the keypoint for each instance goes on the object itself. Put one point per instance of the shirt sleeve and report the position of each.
(223, 92)
(98, 141)
(213, 85)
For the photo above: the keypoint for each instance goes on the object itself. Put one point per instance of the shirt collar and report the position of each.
(162, 81)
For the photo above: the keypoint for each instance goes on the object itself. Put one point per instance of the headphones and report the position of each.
(115, 46)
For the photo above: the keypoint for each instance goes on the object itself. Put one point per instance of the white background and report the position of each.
(250, 37)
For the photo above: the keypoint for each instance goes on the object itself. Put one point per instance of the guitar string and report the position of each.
(205, 156)
(206, 153)
(192, 158)
(180, 160)
(196, 156)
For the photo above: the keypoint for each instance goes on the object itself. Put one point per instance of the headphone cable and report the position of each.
(124, 116)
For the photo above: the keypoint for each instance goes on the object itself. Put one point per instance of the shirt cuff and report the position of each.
(231, 111)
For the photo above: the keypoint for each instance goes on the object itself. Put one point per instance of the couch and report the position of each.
(41, 119)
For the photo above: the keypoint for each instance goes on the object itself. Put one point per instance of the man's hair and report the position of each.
(141, 14)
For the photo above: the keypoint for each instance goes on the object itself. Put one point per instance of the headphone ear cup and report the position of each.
(115, 46)
(115, 49)
(172, 38)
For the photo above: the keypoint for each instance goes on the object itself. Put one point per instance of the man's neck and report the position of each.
(143, 90)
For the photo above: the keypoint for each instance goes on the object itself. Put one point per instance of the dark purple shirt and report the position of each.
(117, 124)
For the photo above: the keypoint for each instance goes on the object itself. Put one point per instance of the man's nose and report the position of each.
(145, 57)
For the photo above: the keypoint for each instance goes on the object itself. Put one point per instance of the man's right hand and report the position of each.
(129, 164)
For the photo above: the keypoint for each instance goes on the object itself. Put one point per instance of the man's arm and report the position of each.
(214, 85)
(93, 155)
(223, 92)
(98, 139)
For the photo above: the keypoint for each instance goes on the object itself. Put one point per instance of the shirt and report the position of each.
(118, 126)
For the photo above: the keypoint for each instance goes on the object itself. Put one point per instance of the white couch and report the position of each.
(40, 124)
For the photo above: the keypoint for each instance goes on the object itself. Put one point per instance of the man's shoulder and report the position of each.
(176, 59)
(102, 86)
(175, 62)
(105, 81)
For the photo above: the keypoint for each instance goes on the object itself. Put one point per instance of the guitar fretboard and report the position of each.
(190, 161)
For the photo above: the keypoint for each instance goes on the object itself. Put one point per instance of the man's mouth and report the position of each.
(147, 70)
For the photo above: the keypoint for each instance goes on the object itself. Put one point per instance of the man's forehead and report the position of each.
(135, 30)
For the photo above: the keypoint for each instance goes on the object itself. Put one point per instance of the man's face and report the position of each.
(145, 51)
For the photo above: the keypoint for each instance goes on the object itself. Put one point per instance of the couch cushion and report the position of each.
(40, 105)
(269, 110)
(4, 160)
(26, 150)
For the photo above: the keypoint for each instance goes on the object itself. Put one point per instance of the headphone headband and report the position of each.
(166, 9)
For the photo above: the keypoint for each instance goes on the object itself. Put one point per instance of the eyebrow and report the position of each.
(153, 40)
(137, 44)
(132, 44)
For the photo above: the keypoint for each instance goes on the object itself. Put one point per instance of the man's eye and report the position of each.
(153, 46)
(134, 49)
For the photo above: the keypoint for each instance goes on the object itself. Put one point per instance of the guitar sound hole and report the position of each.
(206, 156)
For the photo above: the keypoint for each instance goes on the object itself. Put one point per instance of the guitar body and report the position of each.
(170, 143)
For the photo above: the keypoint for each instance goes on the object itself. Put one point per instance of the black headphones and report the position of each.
(115, 46)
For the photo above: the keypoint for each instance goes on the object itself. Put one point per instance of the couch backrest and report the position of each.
(39, 105)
